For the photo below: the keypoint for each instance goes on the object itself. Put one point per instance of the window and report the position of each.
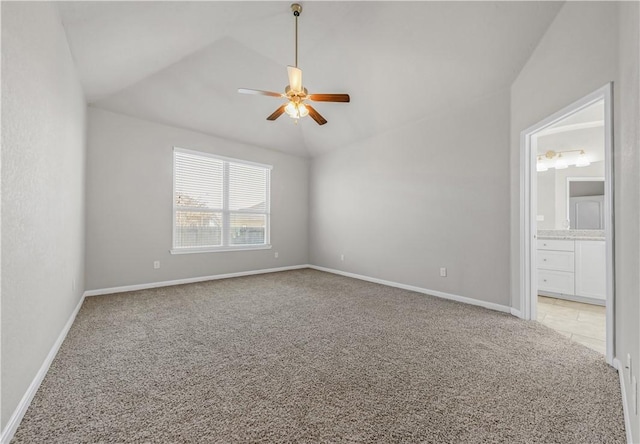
(219, 204)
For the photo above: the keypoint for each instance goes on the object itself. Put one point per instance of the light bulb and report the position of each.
(296, 110)
(540, 165)
(583, 160)
(291, 110)
(560, 163)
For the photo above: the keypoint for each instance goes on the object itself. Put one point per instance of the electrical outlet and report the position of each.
(156, 264)
(275, 255)
(443, 272)
(629, 367)
(342, 257)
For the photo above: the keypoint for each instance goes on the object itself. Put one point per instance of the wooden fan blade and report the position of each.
(277, 113)
(315, 115)
(259, 92)
(330, 97)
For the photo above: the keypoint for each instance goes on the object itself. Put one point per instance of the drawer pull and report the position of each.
(544, 260)
(545, 280)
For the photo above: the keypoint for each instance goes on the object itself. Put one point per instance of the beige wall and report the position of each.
(130, 198)
(43, 171)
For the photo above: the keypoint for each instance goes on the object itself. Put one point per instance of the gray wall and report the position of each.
(398, 206)
(547, 199)
(586, 188)
(565, 67)
(43, 165)
(432, 194)
(130, 195)
(627, 163)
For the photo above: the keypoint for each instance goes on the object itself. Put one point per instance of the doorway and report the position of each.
(566, 278)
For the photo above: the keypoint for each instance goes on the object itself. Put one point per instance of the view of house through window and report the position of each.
(219, 203)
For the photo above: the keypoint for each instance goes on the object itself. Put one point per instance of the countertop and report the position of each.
(571, 234)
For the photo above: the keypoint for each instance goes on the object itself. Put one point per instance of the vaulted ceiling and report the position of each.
(181, 63)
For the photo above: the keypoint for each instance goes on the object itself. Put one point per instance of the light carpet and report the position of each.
(307, 356)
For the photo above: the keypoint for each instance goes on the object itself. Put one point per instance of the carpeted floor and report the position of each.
(306, 356)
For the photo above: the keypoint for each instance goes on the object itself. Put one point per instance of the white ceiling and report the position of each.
(181, 63)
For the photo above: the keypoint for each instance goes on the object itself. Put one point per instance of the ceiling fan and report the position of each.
(295, 93)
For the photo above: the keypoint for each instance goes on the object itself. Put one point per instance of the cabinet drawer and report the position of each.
(556, 281)
(552, 244)
(556, 260)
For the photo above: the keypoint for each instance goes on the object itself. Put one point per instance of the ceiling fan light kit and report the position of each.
(295, 93)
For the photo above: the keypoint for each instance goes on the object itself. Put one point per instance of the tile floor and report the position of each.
(582, 323)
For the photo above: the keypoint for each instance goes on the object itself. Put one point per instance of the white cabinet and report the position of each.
(556, 245)
(556, 266)
(556, 260)
(572, 269)
(556, 281)
(591, 269)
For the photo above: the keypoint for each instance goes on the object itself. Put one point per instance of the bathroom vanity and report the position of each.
(572, 265)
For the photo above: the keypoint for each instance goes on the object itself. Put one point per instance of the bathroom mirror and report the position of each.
(570, 172)
(585, 203)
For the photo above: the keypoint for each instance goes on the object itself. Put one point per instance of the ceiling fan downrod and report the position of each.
(297, 9)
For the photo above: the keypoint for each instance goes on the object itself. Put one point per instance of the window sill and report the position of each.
(219, 249)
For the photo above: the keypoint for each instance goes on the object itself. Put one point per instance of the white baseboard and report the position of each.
(574, 298)
(440, 294)
(21, 409)
(625, 405)
(214, 277)
(516, 313)
(23, 405)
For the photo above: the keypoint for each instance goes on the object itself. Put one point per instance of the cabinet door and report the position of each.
(555, 244)
(556, 260)
(591, 269)
(556, 281)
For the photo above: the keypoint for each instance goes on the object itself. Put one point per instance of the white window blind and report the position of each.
(219, 203)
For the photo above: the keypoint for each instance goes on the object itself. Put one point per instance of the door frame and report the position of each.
(528, 208)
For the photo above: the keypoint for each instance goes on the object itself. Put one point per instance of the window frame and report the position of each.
(226, 212)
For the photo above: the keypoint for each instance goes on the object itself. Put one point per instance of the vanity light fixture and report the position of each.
(560, 163)
(583, 160)
(541, 166)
